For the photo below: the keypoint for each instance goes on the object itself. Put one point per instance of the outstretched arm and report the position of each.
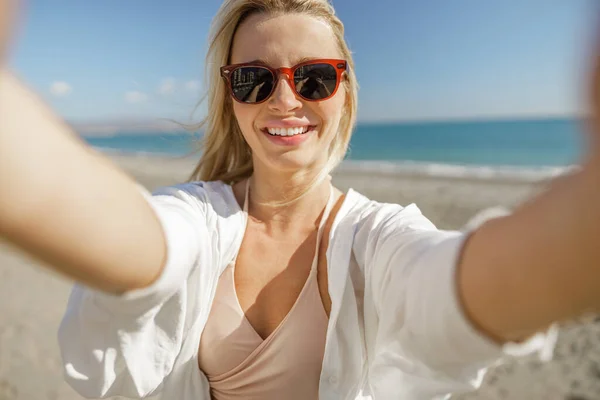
(63, 203)
(520, 273)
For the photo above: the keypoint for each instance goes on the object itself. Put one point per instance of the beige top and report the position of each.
(239, 364)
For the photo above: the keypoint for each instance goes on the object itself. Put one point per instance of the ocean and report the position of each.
(529, 149)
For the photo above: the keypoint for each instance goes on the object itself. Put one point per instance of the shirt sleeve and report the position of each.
(411, 273)
(126, 344)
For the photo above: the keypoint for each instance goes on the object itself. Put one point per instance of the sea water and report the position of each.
(529, 149)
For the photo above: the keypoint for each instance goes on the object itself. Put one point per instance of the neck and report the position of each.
(274, 197)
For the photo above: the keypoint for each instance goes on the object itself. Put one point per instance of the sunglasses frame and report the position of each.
(340, 67)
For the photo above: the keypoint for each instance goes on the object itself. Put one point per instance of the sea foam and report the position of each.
(456, 171)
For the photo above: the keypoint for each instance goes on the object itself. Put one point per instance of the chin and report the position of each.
(288, 163)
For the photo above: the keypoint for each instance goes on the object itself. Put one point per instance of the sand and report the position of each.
(32, 299)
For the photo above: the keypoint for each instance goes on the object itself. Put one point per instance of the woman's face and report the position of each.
(284, 41)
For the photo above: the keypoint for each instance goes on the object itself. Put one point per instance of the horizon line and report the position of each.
(161, 125)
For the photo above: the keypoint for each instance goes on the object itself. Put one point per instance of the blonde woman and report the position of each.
(258, 278)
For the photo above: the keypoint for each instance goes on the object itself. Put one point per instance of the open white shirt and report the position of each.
(396, 328)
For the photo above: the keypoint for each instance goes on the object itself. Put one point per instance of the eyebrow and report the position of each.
(300, 61)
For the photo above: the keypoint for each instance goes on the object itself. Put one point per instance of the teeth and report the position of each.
(288, 131)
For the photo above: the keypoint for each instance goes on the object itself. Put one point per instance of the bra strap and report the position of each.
(326, 212)
(245, 208)
(322, 222)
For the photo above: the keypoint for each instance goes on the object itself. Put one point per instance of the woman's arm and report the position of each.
(520, 273)
(68, 206)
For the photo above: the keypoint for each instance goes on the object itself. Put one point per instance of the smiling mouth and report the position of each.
(284, 132)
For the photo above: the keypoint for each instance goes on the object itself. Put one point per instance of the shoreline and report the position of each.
(425, 169)
(449, 201)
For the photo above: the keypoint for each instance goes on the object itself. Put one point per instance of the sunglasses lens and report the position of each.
(251, 84)
(315, 81)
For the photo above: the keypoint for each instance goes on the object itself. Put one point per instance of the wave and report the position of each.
(414, 168)
(457, 171)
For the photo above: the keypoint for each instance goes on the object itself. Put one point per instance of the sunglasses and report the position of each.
(314, 80)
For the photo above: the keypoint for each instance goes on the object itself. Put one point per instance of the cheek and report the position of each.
(245, 116)
(332, 111)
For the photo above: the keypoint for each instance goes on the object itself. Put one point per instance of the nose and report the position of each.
(284, 98)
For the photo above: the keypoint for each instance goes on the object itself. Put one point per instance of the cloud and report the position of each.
(167, 86)
(60, 89)
(134, 97)
(192, 86)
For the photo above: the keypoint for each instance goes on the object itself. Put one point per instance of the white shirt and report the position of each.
(396, 328)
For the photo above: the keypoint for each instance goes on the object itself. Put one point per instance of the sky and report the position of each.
(110, 60)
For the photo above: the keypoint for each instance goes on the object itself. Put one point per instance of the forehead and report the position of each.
(283, 39)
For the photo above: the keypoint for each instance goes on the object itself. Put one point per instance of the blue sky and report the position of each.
(435, 59)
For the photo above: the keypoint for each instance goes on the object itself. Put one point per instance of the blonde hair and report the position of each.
(226, 155)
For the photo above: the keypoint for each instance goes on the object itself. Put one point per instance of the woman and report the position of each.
(259, 279)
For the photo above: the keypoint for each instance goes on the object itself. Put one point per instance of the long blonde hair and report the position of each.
(225, 154)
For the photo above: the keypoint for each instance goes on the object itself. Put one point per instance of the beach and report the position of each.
(33, 299)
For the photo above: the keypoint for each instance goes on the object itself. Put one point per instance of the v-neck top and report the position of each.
(287, 364)
(396, 326)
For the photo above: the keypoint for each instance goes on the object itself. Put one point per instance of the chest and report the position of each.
(260, 260)
(271, 272)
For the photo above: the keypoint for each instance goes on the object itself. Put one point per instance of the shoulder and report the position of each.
(381, 231)
(370, 216)
(206, 196)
